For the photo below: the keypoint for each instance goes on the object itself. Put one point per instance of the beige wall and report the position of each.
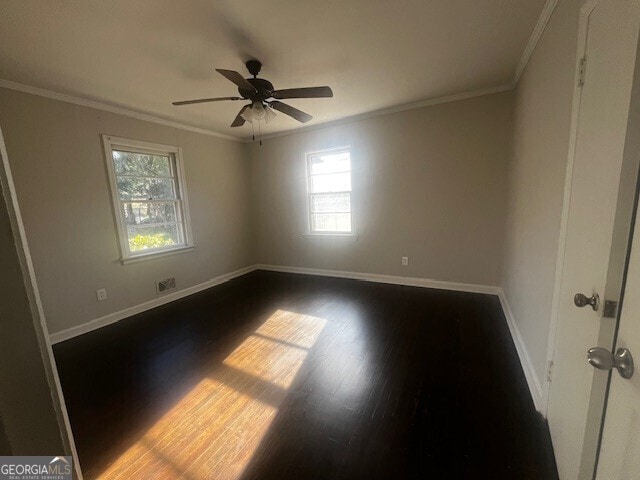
(56, 155)
(29, 420)
(428, 183)
(536, 179)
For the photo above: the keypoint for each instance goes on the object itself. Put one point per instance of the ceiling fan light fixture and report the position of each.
(247, 115)
(269, 114)
(258, 111)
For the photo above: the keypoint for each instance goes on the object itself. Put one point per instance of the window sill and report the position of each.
(354, 235)
(151, 255)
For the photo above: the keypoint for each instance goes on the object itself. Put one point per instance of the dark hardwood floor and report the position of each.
(281, 376)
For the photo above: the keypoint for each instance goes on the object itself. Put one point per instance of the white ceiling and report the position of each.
(144, 54)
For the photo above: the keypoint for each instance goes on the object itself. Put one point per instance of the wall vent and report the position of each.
(163, 286)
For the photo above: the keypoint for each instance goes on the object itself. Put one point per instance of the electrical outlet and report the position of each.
(101, 294)
(405, 261)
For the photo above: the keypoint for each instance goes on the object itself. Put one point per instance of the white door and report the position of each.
(620, 451)
(609, 33)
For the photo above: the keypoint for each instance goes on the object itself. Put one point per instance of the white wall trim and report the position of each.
(527, 53)
(527, 366)
(41, 92)
(83, 102)
(96, 323)
(429, 102)
(581, 49)
(537, 32)
(391, 279)
(105, 320)
(7, 186)
(525, 360)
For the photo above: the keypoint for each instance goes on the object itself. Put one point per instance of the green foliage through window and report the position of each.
(144, 242)
(148, 197)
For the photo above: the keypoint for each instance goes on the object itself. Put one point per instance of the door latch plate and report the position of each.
(610, 309)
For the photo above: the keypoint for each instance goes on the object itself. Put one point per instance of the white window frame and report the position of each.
(308, 157)
(175, 153)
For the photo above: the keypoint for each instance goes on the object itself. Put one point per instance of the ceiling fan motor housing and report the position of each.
(254, 67)
(264, 90)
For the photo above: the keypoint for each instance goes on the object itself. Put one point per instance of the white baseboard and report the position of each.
(527, 366)
(525, 360)
(378, 278)
(94, 324)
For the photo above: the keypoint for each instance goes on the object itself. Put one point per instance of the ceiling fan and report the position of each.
(259, 91)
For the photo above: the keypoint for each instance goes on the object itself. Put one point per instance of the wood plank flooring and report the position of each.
(282, 376)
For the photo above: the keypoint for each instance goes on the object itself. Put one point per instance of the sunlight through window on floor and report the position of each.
(216, 428)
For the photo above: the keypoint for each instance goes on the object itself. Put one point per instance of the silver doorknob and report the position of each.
(603, 359)
(581, 300)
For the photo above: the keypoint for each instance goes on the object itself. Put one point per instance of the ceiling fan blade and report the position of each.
(236, 78)
(308, 92)
(204, 100)
(292, 112)
(239, 121)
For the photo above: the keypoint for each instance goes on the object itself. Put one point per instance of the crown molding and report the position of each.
(63, 97)
(429, 102)
(21, 87)
(536, 34)
(532, 43)
(538, 30)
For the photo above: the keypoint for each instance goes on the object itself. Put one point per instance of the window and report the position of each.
(329, 185)
(149, 198)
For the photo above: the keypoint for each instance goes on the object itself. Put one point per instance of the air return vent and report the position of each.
(163, 286)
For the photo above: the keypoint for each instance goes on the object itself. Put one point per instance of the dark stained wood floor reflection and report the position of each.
(280, 376)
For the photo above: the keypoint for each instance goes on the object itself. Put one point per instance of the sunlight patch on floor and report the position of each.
(277, 350)
(213, 432)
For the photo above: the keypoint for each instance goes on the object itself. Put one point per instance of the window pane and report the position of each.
(336, 182)
(145, 238)
(145, 165)
(331, 222)
(343, 221)
(337, 162)
(331, 202)
(139, 213)
(135, 188)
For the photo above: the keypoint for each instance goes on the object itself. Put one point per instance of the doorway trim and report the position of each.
(35, 304)
(583, 23)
